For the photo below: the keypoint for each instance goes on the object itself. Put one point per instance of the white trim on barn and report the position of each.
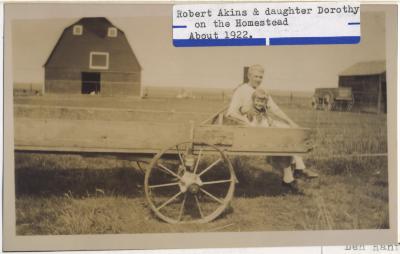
(112, 32)
(99, 67)
(77, 30)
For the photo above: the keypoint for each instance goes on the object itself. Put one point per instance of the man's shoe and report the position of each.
(305, 173)
(292, 187)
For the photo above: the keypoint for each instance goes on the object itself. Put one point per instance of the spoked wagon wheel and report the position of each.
(328, 102)
(187, 186)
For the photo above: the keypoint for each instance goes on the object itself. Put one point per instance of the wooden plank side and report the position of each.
(288, 140)
(252, 139)
(213, 134)
(104, 114)
(92, 135)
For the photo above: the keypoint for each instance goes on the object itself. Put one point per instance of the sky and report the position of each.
(148, 28)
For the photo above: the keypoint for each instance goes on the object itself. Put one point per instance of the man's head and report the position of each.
(255, 75)
(260, 99)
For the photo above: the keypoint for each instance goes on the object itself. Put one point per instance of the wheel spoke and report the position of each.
(169, 200)
(211, 195)
(163, 185)
(177, 194)
(182, 208)
(217, 181)
(211, 166)
(180, 157)
(167, 170)
(197, 162)
(198, 206)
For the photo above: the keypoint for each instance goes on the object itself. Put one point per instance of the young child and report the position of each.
(258, 115)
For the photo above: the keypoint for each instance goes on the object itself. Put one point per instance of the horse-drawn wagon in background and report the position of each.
(330, 99)
(189, 176)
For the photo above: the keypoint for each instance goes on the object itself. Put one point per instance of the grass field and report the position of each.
(72, 194)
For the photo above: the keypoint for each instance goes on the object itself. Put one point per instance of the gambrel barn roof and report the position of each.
(365, 68)
(71, 51)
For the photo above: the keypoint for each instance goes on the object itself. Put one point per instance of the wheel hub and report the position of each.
(194, 188)
(190, 182)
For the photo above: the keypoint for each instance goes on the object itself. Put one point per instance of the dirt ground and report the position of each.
(74, 194)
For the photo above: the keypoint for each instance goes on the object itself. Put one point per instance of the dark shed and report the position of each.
(368, 83)
(93, 56)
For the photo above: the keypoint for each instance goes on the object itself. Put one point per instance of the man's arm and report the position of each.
(274, 109)
(235, 107)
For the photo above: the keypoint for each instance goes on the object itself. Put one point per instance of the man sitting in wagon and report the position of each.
(253, 106)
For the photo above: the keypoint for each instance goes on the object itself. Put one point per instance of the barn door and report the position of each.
(90, 83)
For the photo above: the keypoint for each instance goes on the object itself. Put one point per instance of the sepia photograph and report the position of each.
(116, 131)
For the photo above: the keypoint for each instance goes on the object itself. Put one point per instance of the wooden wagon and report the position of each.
(329, 99)
(189, 177)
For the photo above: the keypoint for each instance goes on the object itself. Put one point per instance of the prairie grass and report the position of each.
(74, 194)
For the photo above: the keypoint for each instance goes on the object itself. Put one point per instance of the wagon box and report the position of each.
(147, 138)
(342, 93)
(254, 140)
(333, 99)
(185, 163)
(91, 136)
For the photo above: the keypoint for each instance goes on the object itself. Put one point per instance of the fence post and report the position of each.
(379, 94)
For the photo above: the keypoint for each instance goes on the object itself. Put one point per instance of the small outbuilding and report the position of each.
(93, 56)
(368, 83)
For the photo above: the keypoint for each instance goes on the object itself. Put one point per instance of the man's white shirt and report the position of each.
(241, 102)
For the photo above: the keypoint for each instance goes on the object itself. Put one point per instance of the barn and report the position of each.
(92, 56)
(368, 83)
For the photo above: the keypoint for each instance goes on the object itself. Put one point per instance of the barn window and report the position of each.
(112, 32)
(99, 60)
(78, 29)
